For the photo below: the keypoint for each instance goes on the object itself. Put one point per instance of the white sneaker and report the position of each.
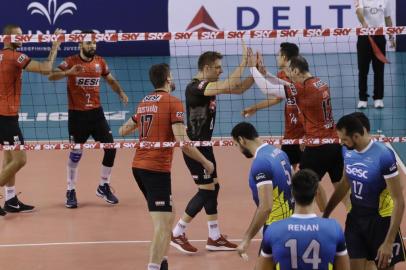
(378, 103)
(362, 104)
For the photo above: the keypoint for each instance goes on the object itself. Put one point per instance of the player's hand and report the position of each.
(302, 147)
(208, 167)
(247, 112)
(58, 31)
(75, 70)
(123, 97)
(244, 59)
(242, 249)
(251, 58)
(260, 64)
(384, 256)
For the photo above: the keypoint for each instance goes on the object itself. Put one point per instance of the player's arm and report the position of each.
(338, 195)
(269, 102)
(58, 74)
(268, 86)
(116, 87)
(128, 127)
(264, 263)
(45, 67)
(233, 84)
(396, 191)
(179, 131)
(359, 10)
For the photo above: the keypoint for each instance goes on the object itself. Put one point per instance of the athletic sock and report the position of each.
(153, 266)
(72, 174)
(105, 175)
(214, 230)
(10, 192)
(180, 228)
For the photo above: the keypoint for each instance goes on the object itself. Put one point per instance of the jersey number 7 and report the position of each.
(146, 122)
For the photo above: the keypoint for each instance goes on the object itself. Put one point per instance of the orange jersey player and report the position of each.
(159, 118)
(86, 117)
(12, 64)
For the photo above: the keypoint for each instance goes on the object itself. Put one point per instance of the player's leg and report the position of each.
(159, 199)
(356, 228)
(102, 133)
(314, 158)
(378, 68)
(364, 55)
(13, 162)
(79, 132)
(294, 154)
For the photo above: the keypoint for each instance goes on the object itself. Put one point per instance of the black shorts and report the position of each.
(293, 151)
(83, 124)
(197, 170)
(326, 158)
(10, 132)
(365, 234)
(156, 187)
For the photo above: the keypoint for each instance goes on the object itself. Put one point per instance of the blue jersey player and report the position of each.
(370, 171)
(269, 180)
(304, 241)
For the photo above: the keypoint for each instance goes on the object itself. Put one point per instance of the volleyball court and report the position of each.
(102, 236)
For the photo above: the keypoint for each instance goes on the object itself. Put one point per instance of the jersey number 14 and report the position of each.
(310, 256)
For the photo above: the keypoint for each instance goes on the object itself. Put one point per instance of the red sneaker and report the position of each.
(221, 244)
(182, 244)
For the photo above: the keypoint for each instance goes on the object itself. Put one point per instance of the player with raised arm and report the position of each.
(201, 105)
(304, 241)
(159, 118)
(12, 64)
(269, 180)
(315, 112)
(293, 127)
(377, 203)
(85, 116)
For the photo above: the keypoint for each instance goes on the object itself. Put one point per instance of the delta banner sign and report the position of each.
(209, 17)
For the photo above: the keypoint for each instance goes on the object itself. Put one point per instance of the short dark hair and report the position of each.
(158, 74)
(351, 124)
(208, 58)
(289, 50)
(304, 186)
(245, 130)
(364, 120)
(300, 63)
(8, 28)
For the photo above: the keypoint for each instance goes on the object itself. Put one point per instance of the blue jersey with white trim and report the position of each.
(366, 172)
(271, 166)
(304, 242)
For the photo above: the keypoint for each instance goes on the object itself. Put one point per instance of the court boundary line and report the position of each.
(101, 243)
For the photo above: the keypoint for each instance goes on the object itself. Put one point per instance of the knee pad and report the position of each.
(109, 156)
(210, 204)
(75, 155)
(196, 204)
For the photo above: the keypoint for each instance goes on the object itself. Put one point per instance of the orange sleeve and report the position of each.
(22, 60)
(177, 111)
(105, 68)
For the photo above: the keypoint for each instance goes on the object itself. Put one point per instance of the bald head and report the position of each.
(9, 29)
(12, 29)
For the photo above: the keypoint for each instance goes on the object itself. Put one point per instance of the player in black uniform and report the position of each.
(201, 116)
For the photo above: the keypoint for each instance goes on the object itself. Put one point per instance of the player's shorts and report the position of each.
(83, 124)
(156, 187)
(197, 170)
(10, 132)
(294, 153)
(326, 158)
(365, 232)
